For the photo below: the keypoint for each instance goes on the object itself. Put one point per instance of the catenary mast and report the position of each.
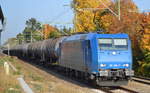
(1, 23)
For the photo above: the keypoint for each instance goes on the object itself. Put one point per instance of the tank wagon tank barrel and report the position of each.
(45, 50)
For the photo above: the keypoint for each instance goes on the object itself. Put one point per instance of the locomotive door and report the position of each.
(87, 55)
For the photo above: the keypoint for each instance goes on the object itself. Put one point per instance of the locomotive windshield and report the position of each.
(113, 44)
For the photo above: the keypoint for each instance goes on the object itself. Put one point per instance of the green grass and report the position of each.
(35, 77)
(18, 68)
(17, 73)
(38, 87)
(6, 59)
(12, 91)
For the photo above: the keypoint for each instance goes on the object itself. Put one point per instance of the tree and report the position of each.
(85, 16)
(145, 39)
(31, 30)
(66, 31)
(33, 24)
(27, 34)
(11, 41)
(144, 63)
(20, 38)
(54, 34)
(50, 31)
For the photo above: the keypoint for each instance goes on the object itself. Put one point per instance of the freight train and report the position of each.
(105, 59)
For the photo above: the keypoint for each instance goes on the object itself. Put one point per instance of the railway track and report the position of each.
(141, 80)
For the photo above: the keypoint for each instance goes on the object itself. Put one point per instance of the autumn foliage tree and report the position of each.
(144, 63)
(85, 11)
(145, 40)
(50, 31)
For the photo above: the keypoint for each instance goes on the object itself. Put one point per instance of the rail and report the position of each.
(141, 79)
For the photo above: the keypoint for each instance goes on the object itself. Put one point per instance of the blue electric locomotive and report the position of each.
(104, 58)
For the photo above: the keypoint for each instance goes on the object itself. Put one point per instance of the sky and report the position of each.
(45, 11)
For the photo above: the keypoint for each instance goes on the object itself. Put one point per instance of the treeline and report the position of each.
(35, 31)
(95, 15)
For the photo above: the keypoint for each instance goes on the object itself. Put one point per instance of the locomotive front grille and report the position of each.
(110, 73)
(118, 73)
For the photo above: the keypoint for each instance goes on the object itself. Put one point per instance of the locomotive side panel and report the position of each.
(73, 55)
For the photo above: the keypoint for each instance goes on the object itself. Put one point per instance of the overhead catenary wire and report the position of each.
(106, 7)
(59, 16)
(118, 15)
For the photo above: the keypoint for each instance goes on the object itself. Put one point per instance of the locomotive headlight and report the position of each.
(126, 65)
(114, 53)
(103, 65)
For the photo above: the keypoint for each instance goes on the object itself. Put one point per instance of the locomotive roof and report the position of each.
(91, 35)
(120, 35)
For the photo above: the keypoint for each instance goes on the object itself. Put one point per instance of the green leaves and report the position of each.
(33, 24)
(30, 33)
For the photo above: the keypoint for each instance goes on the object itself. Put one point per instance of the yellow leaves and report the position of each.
(84, 19)
(145, 44)
(147, 30)
(106, 20)
(86, 3)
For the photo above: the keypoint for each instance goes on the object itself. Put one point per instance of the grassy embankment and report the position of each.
(8, 83)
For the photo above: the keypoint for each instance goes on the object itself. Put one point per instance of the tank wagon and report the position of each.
(105, 59)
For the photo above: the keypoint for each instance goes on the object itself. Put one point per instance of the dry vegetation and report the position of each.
(40, 81)
(8, 83)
